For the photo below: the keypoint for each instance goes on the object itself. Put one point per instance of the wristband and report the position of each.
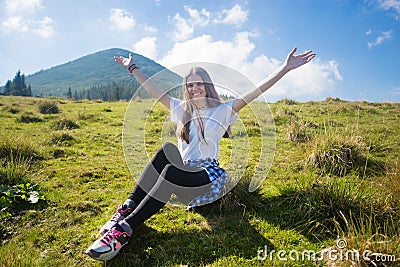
(132, 68)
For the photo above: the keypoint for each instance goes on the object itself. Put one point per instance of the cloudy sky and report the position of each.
(357, 42)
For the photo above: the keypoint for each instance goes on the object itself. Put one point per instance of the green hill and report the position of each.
(92, 70)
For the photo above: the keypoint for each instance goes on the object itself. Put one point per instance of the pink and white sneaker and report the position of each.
(122, 212)
(108, 246)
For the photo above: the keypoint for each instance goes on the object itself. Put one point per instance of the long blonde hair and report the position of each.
(212, 98)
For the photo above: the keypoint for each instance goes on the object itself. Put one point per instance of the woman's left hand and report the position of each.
(124, 62)
(295, 61)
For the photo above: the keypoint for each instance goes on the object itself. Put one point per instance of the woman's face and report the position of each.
(196, 87)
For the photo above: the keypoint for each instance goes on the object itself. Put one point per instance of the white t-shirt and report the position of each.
(216, 121)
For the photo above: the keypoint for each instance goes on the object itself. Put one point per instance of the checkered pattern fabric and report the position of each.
(218, 178)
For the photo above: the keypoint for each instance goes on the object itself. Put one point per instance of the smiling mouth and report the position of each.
(196, 94)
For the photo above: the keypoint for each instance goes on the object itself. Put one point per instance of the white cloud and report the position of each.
(182, 28)
(333, 67)
(21, 18)
(121, 20)
(236, 16)
(204, 48)
(201, 18)
(45, 27)
(146, 47)
(390, 5)
(310, 80)
(393, 95)
(384, 36)
(14, 24)
(149, 29)
(396, 91)
(15, 6)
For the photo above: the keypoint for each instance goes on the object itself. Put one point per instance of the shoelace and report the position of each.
(110, 235)
(119, 213)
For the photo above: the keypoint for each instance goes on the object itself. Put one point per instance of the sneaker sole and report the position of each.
(102, 256)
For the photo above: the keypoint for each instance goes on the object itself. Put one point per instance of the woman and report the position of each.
(191, 170)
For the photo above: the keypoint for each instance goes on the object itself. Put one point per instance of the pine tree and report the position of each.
(69, 94)
(116, 94)
(18, 86)
(7, 88)
(25, 90)
(29, 91)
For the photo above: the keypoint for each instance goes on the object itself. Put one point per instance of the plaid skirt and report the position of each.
(218, 178)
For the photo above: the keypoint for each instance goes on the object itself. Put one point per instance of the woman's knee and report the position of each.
(167, 149)
(172, 153)
(167, 146)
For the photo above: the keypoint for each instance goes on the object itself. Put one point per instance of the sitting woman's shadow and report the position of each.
(211, 233)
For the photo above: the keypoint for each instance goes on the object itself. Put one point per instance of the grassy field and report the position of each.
(333, 185)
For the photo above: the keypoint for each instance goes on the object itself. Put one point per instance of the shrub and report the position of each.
(18, 150)
(84, 116)
(12, 172)
(16, 157)
(65, 124)
(48, 107)
(366, 236)
(390, 184)
(287, 101)
(61, 138)
(251, 127)
(331, 99)
(58, 153)
(322, 207)
(29, 119)
(299, 131)
(283, 115)
(338, 153)
(13, 110)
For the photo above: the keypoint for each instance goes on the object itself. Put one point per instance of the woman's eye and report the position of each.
(191, 85)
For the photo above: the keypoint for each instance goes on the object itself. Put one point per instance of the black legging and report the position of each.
(165, 174)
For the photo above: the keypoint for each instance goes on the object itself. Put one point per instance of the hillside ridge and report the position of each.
(94, 69)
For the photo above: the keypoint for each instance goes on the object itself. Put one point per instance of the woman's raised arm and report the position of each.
(150, 86)
(291, 63)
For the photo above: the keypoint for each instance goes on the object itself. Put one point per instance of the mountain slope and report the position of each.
(93, 69)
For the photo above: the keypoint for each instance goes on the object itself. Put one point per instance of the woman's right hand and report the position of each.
(124, 62)
(150, 86)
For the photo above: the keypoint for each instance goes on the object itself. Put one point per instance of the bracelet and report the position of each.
(132, 68)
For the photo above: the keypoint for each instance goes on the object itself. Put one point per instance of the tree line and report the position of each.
(114, 92)
(105, 92)
(17, 86)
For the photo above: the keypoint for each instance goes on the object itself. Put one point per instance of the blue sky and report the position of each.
(357, 42)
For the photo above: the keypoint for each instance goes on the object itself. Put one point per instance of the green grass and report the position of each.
(77, 159)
